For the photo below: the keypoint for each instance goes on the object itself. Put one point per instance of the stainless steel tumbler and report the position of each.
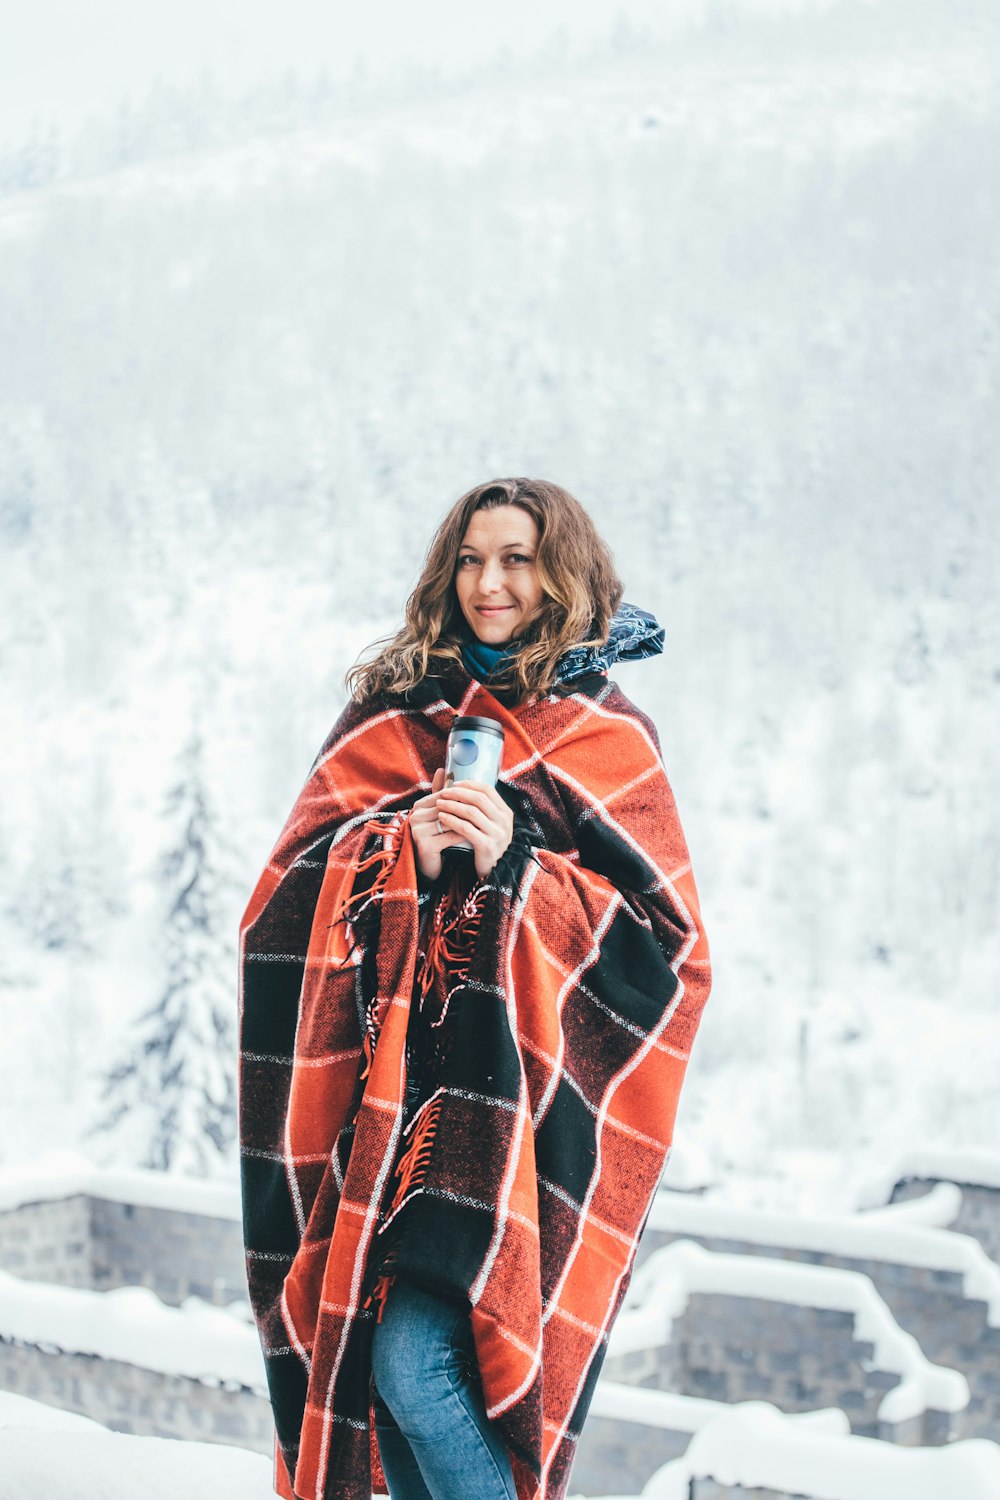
(473, 753)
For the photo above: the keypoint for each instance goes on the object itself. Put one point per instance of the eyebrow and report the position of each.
(524, 546)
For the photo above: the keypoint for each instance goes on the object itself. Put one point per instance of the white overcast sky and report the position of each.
(63, 59)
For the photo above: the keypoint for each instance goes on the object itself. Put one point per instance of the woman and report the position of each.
(459, 1074)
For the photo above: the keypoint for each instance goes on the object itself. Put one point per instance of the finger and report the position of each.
(429, 798)
(424, 812)
(472, 795)
(495, 813)
(454, 823)
(479, 792)
(425, 824)
(482, 817)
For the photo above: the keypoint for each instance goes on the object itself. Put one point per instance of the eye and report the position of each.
(468, 557)
(518, 557)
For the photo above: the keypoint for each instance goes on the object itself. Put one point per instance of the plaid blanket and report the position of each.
(470, 1083)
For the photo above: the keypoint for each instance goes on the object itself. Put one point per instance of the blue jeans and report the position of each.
(434, 1437)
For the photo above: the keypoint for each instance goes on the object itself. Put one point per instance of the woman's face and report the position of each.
(495, 577)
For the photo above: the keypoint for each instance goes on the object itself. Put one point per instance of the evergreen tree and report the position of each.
(173, 1089)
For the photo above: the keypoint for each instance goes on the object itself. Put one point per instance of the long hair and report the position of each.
(581, 591)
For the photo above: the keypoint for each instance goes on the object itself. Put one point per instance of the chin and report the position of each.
(496, 632)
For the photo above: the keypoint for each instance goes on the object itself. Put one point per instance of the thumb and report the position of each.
(437, 780)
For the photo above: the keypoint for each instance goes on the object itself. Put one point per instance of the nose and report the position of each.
(491, 578)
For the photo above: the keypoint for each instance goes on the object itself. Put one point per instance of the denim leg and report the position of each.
(423, 1363)
(399, 1464)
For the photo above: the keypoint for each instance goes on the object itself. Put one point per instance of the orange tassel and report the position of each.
(452, 940)
(381, 1291)
(410, 1169)
(385, 857)
(413, 1163)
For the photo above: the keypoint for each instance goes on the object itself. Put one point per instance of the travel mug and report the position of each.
(473, 753)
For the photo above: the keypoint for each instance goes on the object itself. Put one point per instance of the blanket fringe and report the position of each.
(410, 1170)
(413, 1163)
(379, 1291)
(382, 859)
(451, 943)
(452, 940)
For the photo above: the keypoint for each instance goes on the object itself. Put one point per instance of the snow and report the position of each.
(974, 1166)
(132, 1324)
(689, 1168)
(89, 1462)
(85, 1461)
(752, 244)
(661, 1286)
(888, 1235)
(787, 210)
(937, 1209)
(63, 1173)
(668, 1409)
(757, 1446)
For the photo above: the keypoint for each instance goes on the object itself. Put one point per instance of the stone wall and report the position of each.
(721, 1347)
(49, 1241)
(730, 1349)
(177, 1254)
(978, 1216)
(951, 1328)
(615, 1457)
(87, 1241)
(708, 1489)
(127, 1398)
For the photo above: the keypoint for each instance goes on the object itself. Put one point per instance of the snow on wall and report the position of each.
(61, 1174)
(662, 1284)
(653, 1408)
(854, 1236)
(132, 1324)
(937, 1209)
(757, 1446)
(82, 1460)
(975, 1166)
(688, 1168)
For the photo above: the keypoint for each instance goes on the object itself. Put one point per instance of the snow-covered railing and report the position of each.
(972, 1166)
(853, 1236)
(661, 1286)
(641, 1403)
(131, 1324)
(814, 1454)
(937, 1209)
(63, 1174)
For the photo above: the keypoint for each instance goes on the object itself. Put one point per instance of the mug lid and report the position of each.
(476, 721)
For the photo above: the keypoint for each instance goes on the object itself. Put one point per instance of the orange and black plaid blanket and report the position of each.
(548, 1013)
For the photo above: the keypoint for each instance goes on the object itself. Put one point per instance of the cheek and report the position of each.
(533, 590)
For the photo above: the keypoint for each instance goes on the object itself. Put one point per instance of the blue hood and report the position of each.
(633, 634)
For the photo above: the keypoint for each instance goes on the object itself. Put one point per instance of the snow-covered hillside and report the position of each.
(735, 289)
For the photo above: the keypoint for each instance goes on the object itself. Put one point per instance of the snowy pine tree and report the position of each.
(171, 1096)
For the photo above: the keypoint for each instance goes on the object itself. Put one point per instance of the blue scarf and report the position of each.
(482, 659)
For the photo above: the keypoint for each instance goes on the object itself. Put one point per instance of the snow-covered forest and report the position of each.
(734, 284)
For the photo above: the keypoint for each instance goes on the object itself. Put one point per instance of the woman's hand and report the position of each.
(427, 840)
(467, 813)
(479, 816)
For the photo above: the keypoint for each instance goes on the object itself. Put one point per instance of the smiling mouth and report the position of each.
(493, 609)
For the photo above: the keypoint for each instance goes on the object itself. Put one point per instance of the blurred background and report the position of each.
(276, 289)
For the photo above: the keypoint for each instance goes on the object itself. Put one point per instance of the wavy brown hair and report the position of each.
(581, 591)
